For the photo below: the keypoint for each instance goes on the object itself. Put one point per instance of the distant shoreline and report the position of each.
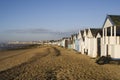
(4, 47)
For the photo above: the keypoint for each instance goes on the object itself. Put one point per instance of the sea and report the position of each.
(6, 46)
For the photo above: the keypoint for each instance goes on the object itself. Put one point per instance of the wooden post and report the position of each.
(115, 34)
(105, 31)
(103, 35)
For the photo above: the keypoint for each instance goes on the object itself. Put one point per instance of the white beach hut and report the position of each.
(111, 37)
(94, 42)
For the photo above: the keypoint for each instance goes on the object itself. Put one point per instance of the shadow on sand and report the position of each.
(57, 52)
(107, 60)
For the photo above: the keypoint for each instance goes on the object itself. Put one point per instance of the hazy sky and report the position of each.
(51, 19)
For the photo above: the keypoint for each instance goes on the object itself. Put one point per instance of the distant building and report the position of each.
(81, 41)
(65, 42)
(70, 43)
(76, 42)
(85, 40)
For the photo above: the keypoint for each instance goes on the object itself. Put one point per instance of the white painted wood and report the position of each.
(81, 42)
(117, 40)
(115, 51)
(108, 23)
(103, 36)
(114, 30)
(92, 49)
(84, 34)
(105, 31)
(112, 40)
(90, 34)
(98, 35)
(103, 50)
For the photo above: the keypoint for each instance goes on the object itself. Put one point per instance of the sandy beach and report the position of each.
(53, 63)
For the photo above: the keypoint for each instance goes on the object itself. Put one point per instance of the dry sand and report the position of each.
(53, 63)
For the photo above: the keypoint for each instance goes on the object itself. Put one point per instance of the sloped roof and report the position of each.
(95, 31)
(75, 35)
(86, 31)
(115, 19)
(82, 32)
(65, 38)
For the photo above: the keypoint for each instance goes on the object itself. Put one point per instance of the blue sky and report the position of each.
(26, 20)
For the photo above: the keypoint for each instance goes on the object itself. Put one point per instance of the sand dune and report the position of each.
(54, 63)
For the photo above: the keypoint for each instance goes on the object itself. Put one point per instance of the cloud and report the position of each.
(28, 31)
(39, 31)
(35, 34)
